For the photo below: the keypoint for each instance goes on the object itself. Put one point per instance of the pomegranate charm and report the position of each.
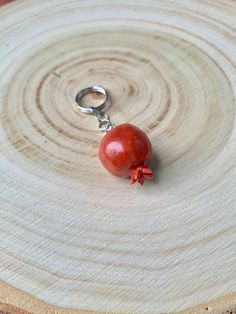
(125, 150)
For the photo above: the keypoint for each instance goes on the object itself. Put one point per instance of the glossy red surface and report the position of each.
(125, 151)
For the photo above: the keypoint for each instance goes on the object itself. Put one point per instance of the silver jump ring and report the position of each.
(92, 109)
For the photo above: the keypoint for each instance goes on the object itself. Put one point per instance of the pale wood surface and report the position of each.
(74, 238)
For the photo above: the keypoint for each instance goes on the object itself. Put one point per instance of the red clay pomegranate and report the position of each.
(125, 151)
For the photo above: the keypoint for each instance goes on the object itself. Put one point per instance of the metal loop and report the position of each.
(89, 90)
(104, 122)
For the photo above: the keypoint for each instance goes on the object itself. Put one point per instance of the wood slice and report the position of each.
(75, 238)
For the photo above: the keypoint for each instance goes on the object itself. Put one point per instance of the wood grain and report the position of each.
(73, 237)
